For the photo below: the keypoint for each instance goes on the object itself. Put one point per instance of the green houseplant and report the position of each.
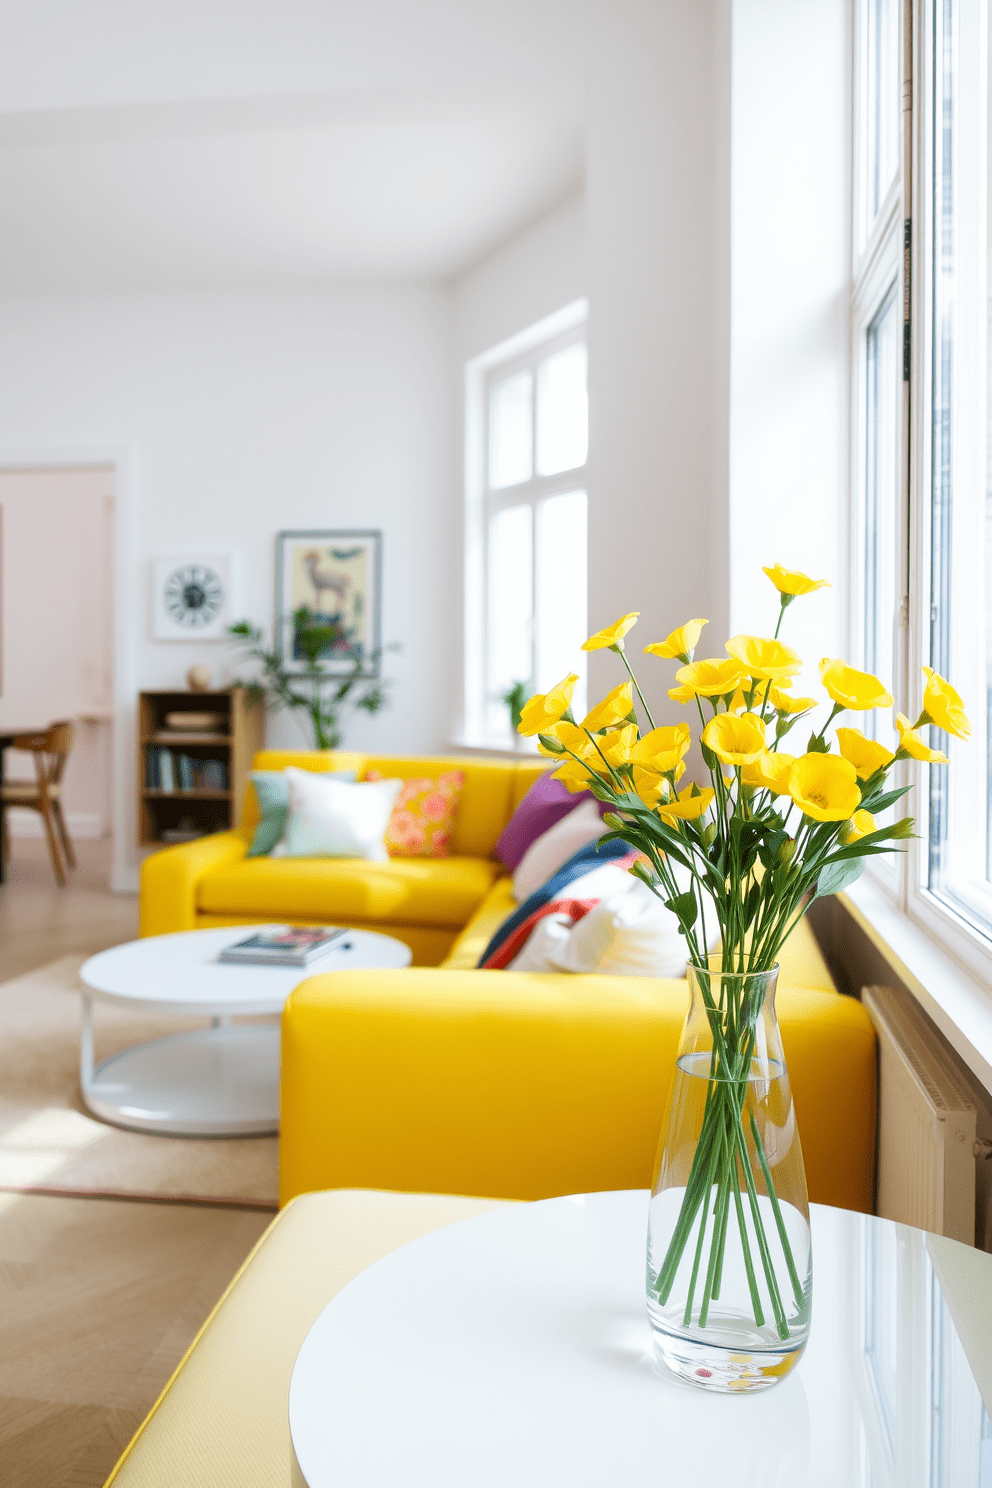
(319, 698)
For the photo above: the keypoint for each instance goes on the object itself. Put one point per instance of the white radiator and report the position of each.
(926, 1123)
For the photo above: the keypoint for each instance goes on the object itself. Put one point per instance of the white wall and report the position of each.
(246, 415)
(524, 281)
(790, 315)
(657, 253)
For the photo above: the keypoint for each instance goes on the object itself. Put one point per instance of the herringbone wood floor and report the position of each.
(99, 1298)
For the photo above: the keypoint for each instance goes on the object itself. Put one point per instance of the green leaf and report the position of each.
(817, 745)
(837, 876)
(876, 804)
(685, 908)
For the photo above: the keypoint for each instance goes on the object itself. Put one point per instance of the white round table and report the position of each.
(514, 1348)
(221, 1081)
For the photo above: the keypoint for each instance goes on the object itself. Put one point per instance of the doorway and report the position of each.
(57, 629)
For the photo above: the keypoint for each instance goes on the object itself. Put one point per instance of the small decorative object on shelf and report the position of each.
(738, 862)
(199, 678)
(193, 766)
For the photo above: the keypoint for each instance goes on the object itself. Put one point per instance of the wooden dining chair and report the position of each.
(51, 750)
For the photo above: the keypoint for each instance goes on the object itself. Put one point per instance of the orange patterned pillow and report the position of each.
(424, 815)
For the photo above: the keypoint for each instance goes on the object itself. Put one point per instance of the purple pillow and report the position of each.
(545, 803)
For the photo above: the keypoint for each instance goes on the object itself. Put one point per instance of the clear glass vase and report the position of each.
(729, 1263)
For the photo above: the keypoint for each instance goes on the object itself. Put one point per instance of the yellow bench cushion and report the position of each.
(409, 891)
(512, 1085)
(222, 1421)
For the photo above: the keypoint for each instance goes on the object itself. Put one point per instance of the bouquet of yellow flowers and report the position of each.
(738, 861)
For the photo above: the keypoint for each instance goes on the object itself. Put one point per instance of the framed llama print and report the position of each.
(328, 601)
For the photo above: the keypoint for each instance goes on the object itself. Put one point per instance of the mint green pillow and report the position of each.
(272, 790)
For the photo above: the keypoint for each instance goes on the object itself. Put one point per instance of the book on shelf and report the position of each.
(284, 945)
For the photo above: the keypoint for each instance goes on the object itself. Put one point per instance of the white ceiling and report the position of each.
(402, 146)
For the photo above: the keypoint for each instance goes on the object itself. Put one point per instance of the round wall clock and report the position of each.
(192, 599)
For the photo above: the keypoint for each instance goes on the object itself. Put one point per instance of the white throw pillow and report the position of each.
(554, 848)
(628, 933)
(334, 819)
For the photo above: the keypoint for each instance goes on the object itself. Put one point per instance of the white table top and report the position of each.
(514, 1349)
(180, 973)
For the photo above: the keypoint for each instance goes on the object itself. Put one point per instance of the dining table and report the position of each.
(7, 737)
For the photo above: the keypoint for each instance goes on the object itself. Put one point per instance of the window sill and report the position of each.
(959, 1003)
(525, 751)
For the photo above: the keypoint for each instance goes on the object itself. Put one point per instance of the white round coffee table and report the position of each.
(221, 1081)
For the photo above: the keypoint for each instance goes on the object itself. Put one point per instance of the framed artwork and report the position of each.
(328, 600)
(192, 597)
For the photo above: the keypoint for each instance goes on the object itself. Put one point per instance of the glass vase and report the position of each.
(729, 1263)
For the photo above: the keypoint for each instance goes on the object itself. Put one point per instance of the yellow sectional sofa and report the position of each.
(495, 1084)
(425, 902)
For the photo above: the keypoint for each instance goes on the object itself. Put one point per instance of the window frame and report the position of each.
(952, 927)
(879, 269)
(526, 351)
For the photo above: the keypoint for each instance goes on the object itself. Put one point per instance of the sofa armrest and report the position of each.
(169, 879)
(509, 1085)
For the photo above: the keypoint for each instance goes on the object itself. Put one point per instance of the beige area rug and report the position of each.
(48, 1142)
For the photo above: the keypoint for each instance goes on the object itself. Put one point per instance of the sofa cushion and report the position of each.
(423, 891)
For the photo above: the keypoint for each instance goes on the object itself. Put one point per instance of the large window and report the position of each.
(526, 552)
(922, 511)
(950, 593)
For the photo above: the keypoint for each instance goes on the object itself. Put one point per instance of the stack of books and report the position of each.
(168, 771)
(285, 945)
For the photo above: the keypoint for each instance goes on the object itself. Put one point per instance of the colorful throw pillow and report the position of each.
(555, 846)
(272, 793)
(593, 855)
(545, 803)
(334, 819)
(424, 815)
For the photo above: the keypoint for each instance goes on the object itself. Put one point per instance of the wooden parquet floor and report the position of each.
(99, 1298)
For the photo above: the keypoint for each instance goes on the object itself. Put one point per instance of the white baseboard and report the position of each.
(85, 825)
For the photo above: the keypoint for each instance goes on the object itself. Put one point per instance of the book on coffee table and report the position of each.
(283, 945)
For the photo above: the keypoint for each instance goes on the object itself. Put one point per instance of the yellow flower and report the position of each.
(910, 743)
(662, 749)
(824, 786)
(861, 823)
(681, 643)
(735, 741)
(545, 709)
(687, 807)
(764, 659)
(784, 702)
(613, 635)
(574, 776)
(865, 754)
(943, 706)
(615, 708)
(652, 787)
(859, 691)
(681, 694)
(712, 678)
(791, 582)
(616, 747)
(770, 771)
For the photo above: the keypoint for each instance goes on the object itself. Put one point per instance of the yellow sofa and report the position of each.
(506, 1085)
(425, 902)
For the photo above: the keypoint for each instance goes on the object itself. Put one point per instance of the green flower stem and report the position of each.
(687, 1316)
(718, 1212)
(762, 1239)
(623, 657)
(777, 1211)
(759, 1312)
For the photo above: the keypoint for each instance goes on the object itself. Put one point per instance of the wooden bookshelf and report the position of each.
(201, 810)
